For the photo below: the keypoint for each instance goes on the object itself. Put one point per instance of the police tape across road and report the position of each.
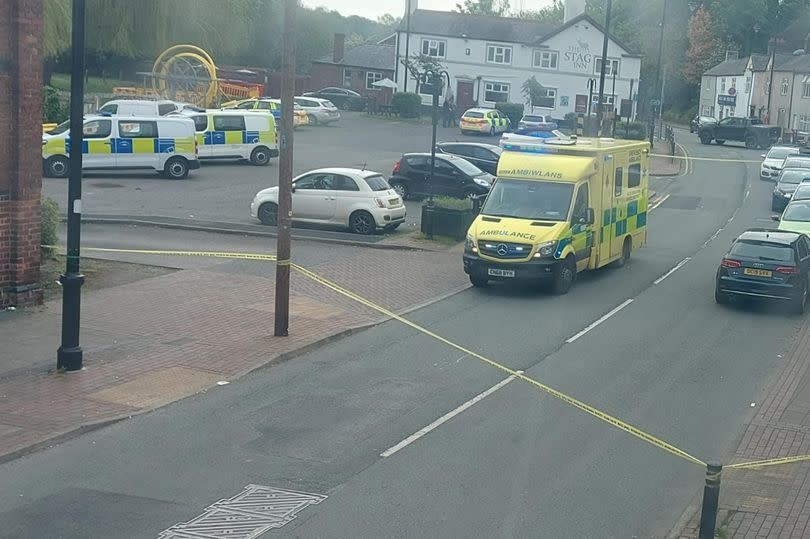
(518, 374)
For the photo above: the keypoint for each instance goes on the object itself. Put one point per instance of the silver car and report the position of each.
(319, 111)
(537, 121)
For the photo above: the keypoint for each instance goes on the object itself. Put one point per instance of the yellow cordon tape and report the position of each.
(588, 409)
(768, 462)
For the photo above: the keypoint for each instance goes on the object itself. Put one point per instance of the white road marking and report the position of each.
(605, 317)
(658, 202)
(446, 417)
(686, 170)
(678, 266)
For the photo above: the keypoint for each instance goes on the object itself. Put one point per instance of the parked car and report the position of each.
(541, 121)
(138, 107)
(341, 97)
(789, 179)
(699, 121)
(484, 156)
(267, 103)
(453, 176)
(486, 121)
(319, 111)
(802, 192)
(361, 200)
(765, 264)
(796, 217)
(797, 161)
(751, 131)
(774, 160)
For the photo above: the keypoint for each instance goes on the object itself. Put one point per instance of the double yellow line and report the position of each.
(576, 403)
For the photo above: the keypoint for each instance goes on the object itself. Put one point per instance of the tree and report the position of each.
(533, 91)
(704, 50)
(495, 8)
(552, 14)
(423, 68)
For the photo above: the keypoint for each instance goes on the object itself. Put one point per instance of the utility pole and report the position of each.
(69, 356)
(285, 165)
(658, 69)
(601, 106)
(407, 43)
(770, 78)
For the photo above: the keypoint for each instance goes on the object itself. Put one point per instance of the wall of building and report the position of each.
(708, 96)
(742, 96)
(20, 158)
(800, 105)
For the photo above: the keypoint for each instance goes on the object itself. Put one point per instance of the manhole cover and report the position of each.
(106, 185)
(247, 515)
(681, 203)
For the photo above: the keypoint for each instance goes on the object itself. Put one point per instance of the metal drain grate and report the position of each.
(247, 515)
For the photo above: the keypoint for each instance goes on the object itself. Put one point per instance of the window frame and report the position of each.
(553, 99)
(440, 46)
(784, 86)
(610, 67)
(618, 181)
(553, 57)
(101, 121)
(228, 118)
(343, 181)
(196, 126)
(376, 76)
(634, 176)
(492, 84)
(493, 49)
(125, 135)
(575, 216)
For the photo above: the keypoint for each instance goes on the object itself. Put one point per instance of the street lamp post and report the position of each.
(69, 356)
(436, 82)
(658, 70)
(600, 109)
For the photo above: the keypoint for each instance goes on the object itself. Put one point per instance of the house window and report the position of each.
(611, 67)
(607, 99)
(803, 123)
(495, 92)
(545, 59)
(548, 98)
(806, 86)
(433, 48)
(723, 85)
(371, 78)
(748, 85)
(785, 86)
(347, 78)
(734, 82)
(499, 54)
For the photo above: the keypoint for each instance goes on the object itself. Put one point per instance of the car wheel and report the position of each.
(479, 281)
(57, 166)
(627, 247)
(312, 119)
(705, 138)
(798, 305)
(564, 277)
(176, 168)
(750, 143)
(720, 142)
(720, 298)
(260, 156)
(470, 194)
(268, 214)
(401, 189)
(362, 222)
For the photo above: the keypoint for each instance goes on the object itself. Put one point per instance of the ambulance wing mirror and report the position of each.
(589, 217)
(775, 218)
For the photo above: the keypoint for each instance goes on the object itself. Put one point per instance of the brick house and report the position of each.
(356, 68)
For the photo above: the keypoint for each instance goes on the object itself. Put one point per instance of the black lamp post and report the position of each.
(436, 80)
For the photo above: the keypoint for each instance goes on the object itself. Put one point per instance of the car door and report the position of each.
(484, 159)
(581, 227)
(447, 179)
(727, 128)
(347, 195)
(313, 197)
(135, 145)
(203, 136)
(227, 135)
(417, 172)
(97, 146)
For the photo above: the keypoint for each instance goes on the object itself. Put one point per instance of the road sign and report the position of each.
(727, 100)
(655, 102)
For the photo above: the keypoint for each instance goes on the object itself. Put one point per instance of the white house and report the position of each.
(726, 88)
(488, 59)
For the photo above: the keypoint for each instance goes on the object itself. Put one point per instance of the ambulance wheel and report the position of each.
(57, 166)
(268, 214)
(627, 246)
(479, 281)
(564, 277)
(176, 168)
(260, 156)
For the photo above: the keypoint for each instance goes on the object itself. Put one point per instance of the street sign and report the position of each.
(626, 109)
(655, 102)
(727, 100)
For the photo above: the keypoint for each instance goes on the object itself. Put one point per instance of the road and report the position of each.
(517, 463)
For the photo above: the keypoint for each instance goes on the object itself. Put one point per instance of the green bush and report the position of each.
(50, 217)
(407, 104)
(513, 111)
(450, 203)
(633, 130)
(52, 109)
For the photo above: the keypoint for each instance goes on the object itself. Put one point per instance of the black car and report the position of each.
(699, 121)
(453, 176)
(484, 156)
(787, 182)
(342, 98)
(767, 264)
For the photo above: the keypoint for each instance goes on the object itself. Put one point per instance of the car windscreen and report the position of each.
(59, 129)
(794, 175)
(466, 167)
(780, 153)
(798, 210)
(762, 250)
(473, 114)
(802, 192)
(529, 199)
(377, 183)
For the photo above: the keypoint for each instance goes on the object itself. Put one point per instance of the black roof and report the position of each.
(772, 235)
(729, 67)
(452, 24)
(367, 55)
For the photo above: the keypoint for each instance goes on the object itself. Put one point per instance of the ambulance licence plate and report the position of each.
(500, 272)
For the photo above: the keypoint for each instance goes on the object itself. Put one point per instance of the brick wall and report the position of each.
(20, 160)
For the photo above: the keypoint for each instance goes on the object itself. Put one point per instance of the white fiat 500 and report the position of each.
(361, 200)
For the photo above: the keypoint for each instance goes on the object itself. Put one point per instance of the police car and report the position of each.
(486, 121)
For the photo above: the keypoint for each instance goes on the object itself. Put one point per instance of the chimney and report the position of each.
(572, 9)
(732, 55)
(340, 48)
(771, 46)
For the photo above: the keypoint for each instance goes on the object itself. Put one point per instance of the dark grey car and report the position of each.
(484, 156)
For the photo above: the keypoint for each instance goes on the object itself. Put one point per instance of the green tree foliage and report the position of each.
(704, 46)
(553, 13)
(497, 8)
(533, 91)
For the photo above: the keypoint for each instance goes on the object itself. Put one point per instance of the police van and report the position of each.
(165, 144)
(236, 134)
(560, 206)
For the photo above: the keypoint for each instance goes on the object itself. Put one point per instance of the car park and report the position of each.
(361, 200)
(765, 264)
(341, 97)
(789, 179)
(452, 176)
(236, 134)
(484, 156)
(319, 111)
(796, 217)
(165, 144)
(484, 121)
(699, 121)
(139, 107)
(537, 121)
(774, 160)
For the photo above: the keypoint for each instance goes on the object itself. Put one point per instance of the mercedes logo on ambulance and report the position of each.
(502, 250)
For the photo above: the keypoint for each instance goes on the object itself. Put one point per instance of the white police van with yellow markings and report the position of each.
(165, 144)
(236, 134)
(560, 206)
(486, 121)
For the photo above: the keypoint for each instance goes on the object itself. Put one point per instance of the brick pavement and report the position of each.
(771, 502)
(161, 339)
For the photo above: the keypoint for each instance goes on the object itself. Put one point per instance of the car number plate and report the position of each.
(500, 272)
(757, 272)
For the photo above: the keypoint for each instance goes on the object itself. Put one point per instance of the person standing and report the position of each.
(446, 113)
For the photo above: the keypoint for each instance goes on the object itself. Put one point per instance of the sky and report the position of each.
(374, 8)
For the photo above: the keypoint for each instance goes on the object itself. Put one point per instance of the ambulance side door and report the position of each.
(582, 221)
(607, 217)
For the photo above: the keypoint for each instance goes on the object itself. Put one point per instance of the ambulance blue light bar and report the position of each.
(530, 144)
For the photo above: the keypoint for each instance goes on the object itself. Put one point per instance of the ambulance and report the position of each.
(558, 207)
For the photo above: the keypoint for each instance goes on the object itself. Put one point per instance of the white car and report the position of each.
(319, 111)
(773, 161)
(361, 200)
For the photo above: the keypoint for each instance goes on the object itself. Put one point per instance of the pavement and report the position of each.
(388, 432)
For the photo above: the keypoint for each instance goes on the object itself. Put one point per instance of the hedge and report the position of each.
(513, 111)
(50, 217)
(407, 104)
(633, 130)
(52, 109)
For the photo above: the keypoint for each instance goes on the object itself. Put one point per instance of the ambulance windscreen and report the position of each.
(529, 199)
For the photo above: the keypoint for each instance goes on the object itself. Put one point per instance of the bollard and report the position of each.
(711, 496)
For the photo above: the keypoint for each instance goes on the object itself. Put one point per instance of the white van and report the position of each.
(167, 145)
(236, 134)
(138, 107)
